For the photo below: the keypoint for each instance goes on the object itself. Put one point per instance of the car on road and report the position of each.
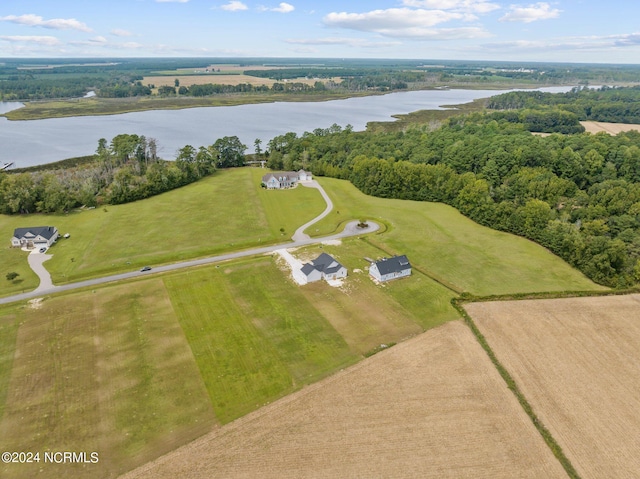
(42, 250)
(146, 268)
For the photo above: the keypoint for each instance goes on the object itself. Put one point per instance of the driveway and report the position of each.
(351, 229)
(36, 260)
(299, 235)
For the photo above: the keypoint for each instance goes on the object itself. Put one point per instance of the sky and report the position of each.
(582, 31)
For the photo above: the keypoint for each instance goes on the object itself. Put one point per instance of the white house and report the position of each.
(278, 180)
(390, 268)
(37, 237)
(323, 267)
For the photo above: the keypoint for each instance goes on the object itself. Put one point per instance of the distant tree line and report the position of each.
(123, 170)
(607, 104)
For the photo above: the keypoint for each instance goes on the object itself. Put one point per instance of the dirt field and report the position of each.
(188, 80)
(577, 361)
(433, 406)
(611, 128)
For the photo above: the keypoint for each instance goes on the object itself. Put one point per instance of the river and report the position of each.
(34, 142)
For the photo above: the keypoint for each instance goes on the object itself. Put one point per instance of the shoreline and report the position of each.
(95, 106)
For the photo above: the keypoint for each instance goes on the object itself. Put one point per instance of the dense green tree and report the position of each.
(230, 152)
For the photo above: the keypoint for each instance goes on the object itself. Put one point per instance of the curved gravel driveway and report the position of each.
(299, 235)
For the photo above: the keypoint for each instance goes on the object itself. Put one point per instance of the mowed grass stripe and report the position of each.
(255, 338)
(108, 371)
(9, 323)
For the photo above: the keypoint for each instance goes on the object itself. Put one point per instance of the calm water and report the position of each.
(36, 142)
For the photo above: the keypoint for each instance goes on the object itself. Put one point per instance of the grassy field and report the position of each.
(451, 248)
(15, 260)
(577, 362)
(228, 211)
(135, 370)
(254, 336)
(368, 315)
(106, 371)
(432, 407)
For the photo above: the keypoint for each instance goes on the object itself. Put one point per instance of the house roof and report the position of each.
(46, 232)
(324, 263)
(307, 269)
(393, 265)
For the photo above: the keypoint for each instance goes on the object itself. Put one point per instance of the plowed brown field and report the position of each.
(577, 361)
(431, 407)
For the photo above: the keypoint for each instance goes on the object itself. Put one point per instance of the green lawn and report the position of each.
(15, 260)
(253, 334)
(446, 245)
(228, 211)
(107, 371)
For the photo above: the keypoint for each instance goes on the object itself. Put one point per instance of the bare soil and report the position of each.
(577, 361)
(219, 79)
(431, 407)
(611, 128)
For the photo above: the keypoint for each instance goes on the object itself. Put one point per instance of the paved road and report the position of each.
(351, 229)
(299, 235)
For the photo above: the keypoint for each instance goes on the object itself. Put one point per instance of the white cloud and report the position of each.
(407, 23)
(530, 13)
(476, 6)
(32, 20)
(284, 8)
(121, 33)
(40, 40)
(234, 6)
(350, 42)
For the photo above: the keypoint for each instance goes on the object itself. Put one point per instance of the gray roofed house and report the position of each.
(323, 267)
(390, 268)
(278, 180)
(34, 237)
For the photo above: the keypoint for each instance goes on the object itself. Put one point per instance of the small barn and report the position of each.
(390, 268)
(323, 267)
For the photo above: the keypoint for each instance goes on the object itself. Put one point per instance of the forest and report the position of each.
(608, 104)
(578, 194)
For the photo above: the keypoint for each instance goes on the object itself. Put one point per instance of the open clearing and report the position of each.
(439, 240)
(225, 212)
(432, 407)
(577, 361)
(611, 128)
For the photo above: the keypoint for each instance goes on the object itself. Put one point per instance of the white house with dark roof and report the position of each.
(390, 268)
(323, 267)
(278, 180)
(36, 237)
